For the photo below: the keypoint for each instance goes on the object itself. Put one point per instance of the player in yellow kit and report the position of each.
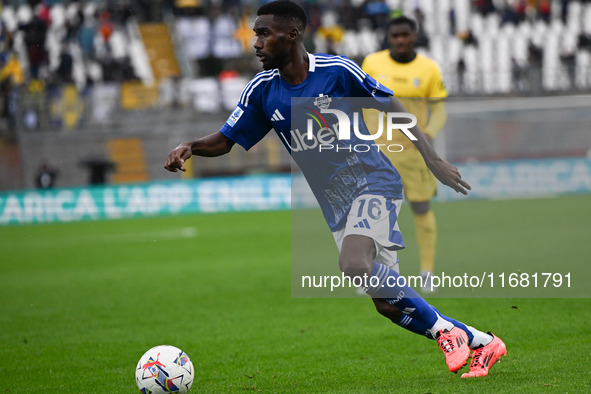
(416, 81)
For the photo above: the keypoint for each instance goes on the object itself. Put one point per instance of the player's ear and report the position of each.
(293, 34)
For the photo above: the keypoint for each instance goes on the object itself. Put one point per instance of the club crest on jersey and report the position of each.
(416, 82)
(322, 101)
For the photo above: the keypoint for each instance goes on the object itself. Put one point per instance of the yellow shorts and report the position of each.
(418, 181)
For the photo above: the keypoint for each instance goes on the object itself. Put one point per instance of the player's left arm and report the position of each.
(437, 118)
(436, 94)
(445, 172)
(213, 145)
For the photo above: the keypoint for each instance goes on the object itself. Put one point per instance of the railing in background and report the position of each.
(499, 180)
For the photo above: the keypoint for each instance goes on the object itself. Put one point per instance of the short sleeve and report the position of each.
(437, 87)
(363, 85)
(246, 126)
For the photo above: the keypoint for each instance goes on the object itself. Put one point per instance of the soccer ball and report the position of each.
(164, 369)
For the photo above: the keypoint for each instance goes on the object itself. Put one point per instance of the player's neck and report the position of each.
(296, 70)
(403, 57)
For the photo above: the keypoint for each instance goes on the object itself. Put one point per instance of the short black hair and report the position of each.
(285, 9)
(403, 20)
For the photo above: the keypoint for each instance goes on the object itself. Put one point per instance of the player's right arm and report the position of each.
(445, 172)
(213, 145)
(246, 126)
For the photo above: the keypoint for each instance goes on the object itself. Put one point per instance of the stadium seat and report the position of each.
(71, 12)
(89, 10)
(587, 19)
(518, 45)
(476, 25)
(119, 44)
(9, 18)
(473, 71)
(503, 63)
(368, 41)
(492, 24)
(137, 54)
(551, 69)
(350, 44)
(463, 16)
(573, 18)
(224, 45)
(24, 14)
(486, 57)
(582, 73)
(58, 16)
(206, 94)
(195, 35)
(231, 89)
(437, 50)
(493, 65)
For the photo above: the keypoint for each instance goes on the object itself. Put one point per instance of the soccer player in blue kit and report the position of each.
(348, 185)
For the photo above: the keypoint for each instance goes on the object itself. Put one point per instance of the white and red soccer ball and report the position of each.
(164, 369)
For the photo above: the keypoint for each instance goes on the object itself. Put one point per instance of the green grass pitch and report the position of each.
(81, 302)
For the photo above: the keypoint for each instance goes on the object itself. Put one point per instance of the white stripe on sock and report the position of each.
(480, 338)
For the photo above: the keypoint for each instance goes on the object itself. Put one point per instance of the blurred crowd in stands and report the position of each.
(472, 40)
(482, 46)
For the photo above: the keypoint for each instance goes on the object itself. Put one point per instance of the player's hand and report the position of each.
(178, 156)
(449, 175)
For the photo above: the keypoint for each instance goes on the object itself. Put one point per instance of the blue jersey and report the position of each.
(336, 176)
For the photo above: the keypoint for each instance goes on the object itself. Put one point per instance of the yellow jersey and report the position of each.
(417, 84)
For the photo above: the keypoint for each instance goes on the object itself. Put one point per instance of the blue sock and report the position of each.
(458, 324)
(384, 283)
(413, 325)
(421, 328)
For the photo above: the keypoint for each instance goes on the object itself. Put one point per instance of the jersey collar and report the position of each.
(312, 61)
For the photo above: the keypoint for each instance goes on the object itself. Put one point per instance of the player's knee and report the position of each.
(420, 208)
(355, 265)
(357, 256)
